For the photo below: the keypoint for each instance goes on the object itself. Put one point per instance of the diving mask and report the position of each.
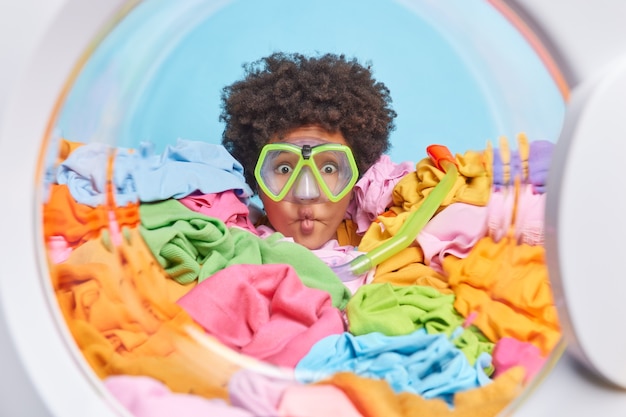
(306, 173)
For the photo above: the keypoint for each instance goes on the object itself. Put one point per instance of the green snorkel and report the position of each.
(443, 159)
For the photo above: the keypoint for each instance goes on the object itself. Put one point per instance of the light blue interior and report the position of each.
(458, 72)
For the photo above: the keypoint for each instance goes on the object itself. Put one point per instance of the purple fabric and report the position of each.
(539, 160)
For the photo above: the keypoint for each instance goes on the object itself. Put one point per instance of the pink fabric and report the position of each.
(529, 206)
(225, 206)
(509, 352)
(58, 249)
(373, 192)
(257, 393)
(453, 231)
(316, 401)
(335, 255)
(529, 219)
(146, 397)
(500, 213)
(263, 311)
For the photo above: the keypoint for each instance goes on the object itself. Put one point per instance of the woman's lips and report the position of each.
(307, 225)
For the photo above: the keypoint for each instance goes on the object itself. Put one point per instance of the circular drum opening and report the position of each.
(173, 297)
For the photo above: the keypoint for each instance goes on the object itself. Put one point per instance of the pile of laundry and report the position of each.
(179, 303)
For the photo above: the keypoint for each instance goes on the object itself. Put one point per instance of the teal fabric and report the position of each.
(191, 246)
(401, 310)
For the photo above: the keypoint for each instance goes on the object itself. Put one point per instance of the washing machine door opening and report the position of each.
(165, 283)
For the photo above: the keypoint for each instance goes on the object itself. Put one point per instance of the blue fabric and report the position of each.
(419, 363)
(85, 174)
(141, 175)
(186, 167)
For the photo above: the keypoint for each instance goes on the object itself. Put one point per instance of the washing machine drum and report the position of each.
(172, 295)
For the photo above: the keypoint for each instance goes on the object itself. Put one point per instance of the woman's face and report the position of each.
(314, 221)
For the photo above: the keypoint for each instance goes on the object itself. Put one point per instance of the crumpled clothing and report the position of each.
(335, 256)
(258, 392)
(78, 223)
(419, 363)
(121, 311)
(473, 186)
(506, 287)
(375, 398)
(395, 311)
(191, 247)
(509, 353)
(539, 164)
(530, 163)
(86, 170)
(138, 175)
(455, 230)
(316, 401)
(407, 268)
(146, 397)
(282, 396)
(372, 193)
(226, 206)
(263, 311)
(186, 167)
(528, 226)
(346, 233)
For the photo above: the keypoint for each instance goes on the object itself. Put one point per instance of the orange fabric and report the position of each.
(120, 307)
(375, 398)
(473, 186)
(66, 147)
(346, 234)
(78, 223)
(407, 268)
(507, 286)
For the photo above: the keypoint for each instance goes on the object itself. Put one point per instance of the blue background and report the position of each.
(458, 72)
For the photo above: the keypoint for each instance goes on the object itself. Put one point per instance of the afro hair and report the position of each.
(282, 92)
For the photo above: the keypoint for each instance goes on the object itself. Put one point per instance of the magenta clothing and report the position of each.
(509, 352)
(146, 397)
(225, 206)
(373, 192)
(453, 231)
(263, 311)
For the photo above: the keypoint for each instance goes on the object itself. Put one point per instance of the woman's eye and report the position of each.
(329, 169)
(283, 169)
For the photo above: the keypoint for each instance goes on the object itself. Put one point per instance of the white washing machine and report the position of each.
(46, 50)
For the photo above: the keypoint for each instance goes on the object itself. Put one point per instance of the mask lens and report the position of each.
(335, 170)
(329, 169)
(277, 169)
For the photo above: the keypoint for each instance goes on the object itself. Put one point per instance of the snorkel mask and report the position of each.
(306, 171)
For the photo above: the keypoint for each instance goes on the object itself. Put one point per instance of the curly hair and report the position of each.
(282, 92)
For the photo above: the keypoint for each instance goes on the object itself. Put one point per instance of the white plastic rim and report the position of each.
(41, 374)
(586, 223)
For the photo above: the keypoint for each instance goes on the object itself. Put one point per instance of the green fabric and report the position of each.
(400, 310)
(191, 246)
